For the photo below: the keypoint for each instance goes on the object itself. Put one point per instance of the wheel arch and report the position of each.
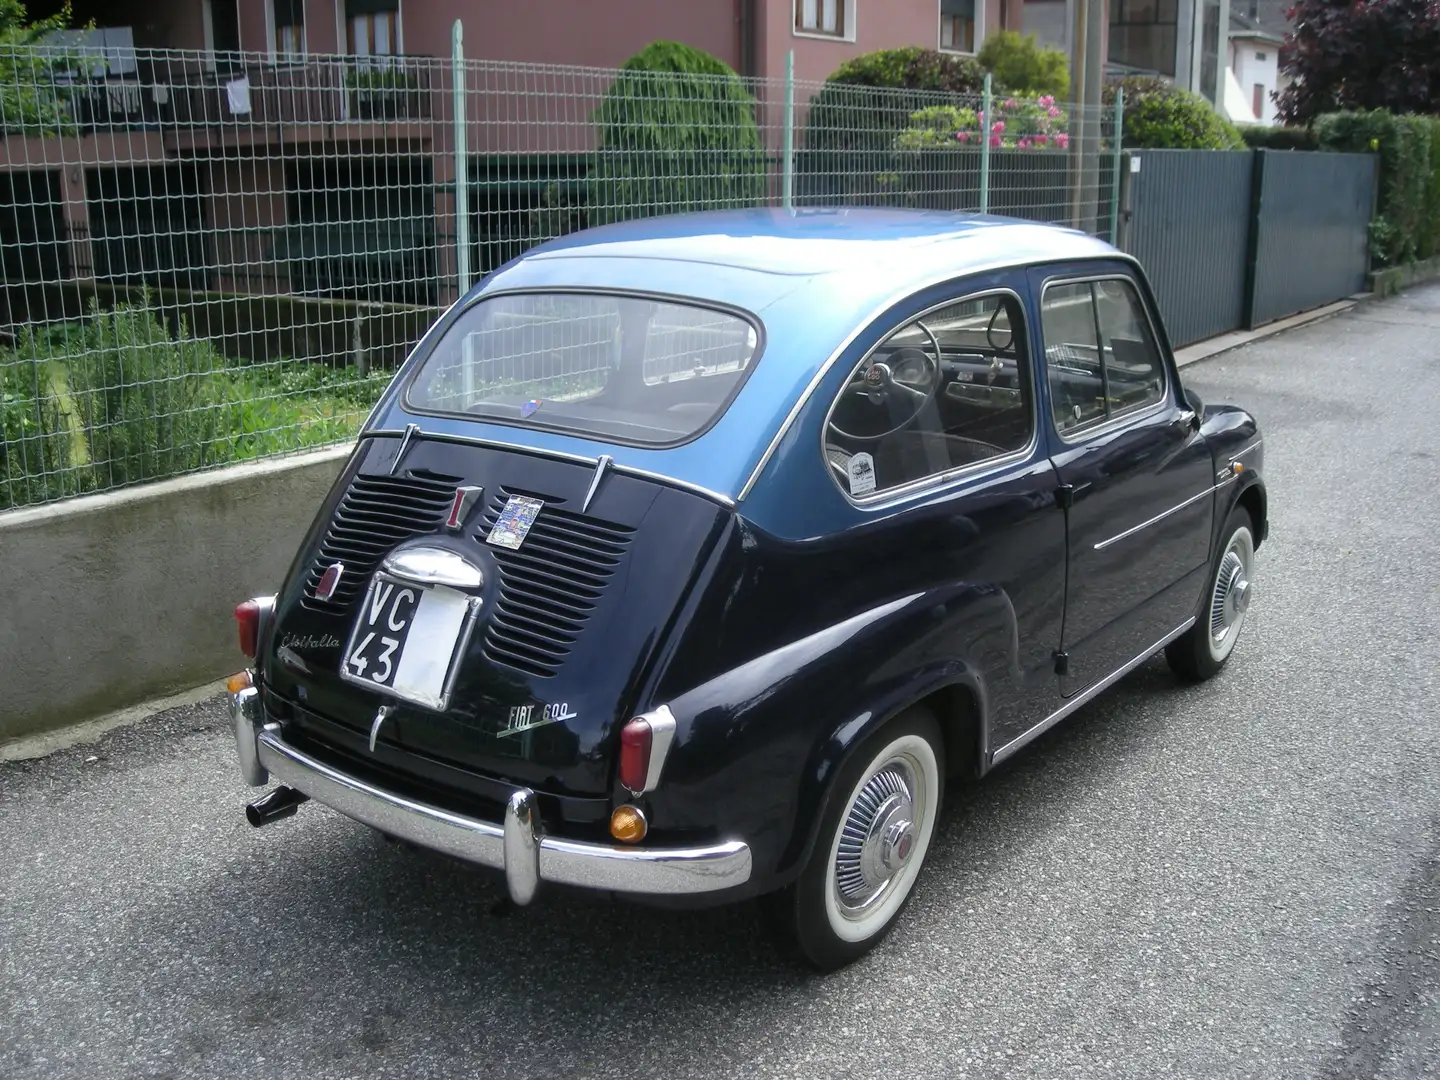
(1254, 501)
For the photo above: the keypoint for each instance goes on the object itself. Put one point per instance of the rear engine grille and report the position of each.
(550, 587)
(377, 513)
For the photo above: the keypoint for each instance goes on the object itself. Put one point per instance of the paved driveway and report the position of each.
(1237, 880)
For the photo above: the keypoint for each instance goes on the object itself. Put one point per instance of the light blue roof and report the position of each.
(812, 276)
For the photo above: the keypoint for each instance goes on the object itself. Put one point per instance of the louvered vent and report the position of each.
(377, 513)
(550, 587)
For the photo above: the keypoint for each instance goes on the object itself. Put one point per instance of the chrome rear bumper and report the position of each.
(517, 846)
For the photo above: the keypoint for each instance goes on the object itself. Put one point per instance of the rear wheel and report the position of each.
(1203, 650)
(872, 844)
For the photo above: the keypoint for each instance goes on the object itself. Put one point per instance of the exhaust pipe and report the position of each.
(274, 805)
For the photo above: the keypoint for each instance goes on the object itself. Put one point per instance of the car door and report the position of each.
(1135, 475)
(935, 435)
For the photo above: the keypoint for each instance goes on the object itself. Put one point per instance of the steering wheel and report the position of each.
(875, 403)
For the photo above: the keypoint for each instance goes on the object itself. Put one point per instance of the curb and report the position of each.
(1223, 343)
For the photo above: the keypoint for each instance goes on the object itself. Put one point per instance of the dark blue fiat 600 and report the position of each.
(689, 559)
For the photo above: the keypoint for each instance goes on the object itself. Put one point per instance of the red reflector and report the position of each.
(247, 615)
(635, 754)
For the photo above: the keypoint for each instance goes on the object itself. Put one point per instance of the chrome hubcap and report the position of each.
(1233, 592)
(877, 839)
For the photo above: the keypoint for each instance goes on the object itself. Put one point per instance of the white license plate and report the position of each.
(408, 640)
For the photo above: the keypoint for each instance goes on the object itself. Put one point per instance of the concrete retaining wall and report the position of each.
(112, 600)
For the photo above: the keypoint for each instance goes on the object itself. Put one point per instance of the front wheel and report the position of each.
(872, 844)
(1202, 651)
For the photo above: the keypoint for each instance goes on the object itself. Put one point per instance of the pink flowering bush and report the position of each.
(1021, 122)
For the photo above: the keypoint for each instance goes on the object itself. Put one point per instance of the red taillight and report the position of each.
(247, 615)
(635, 740)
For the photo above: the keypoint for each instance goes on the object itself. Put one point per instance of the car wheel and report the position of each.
(1202, 651)
(872, 844)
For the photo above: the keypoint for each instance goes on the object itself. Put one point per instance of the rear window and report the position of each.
(626, 368)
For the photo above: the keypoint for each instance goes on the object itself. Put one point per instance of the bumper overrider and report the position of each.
(516, 846)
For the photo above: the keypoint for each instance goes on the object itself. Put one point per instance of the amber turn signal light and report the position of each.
(627, 824)
(239, 681)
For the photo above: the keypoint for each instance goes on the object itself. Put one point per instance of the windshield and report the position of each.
(626, 368)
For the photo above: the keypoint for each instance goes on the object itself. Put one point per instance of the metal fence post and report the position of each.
(787, 189)
(986, 123)
(462, 177)
(1118, 138)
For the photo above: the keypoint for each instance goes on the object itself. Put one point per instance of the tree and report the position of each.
(1161, 115)
(1379, 54)
(1021, 65)
(31, 100)
(676, 131)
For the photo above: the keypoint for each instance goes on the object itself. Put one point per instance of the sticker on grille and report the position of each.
(550, 586)
(377, 513)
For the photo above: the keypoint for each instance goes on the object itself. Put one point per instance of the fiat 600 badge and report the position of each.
(690, 559)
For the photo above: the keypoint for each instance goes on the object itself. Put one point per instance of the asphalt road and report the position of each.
(1235, 880)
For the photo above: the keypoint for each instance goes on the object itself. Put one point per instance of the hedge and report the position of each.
(1407, 224)
(1268, 137)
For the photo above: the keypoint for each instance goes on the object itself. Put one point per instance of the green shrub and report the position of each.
(1021, 65)
(116, 399)
(1405, 223)
(852, 122)
(1267, 137)
(1428, 243)
(1159, 115)
(676, 131)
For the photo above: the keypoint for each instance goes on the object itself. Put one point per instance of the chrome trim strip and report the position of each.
(562, 455)
(662, 735)
(1091, 691)
(603, 463)
(1241, 453)
(864, 324)
(1103, 544)
(976, 468)
(670, 481)
(671, 871)
(411, 430)
(472, 440)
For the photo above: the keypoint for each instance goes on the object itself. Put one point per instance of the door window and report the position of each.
(948, 390)
(1101, 358)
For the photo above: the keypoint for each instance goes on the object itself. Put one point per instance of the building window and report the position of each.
(1142, 35)
(1257, 101)
(1261, 57)
(289, 27)
(959, 25)
(372, 27)
(827, 17)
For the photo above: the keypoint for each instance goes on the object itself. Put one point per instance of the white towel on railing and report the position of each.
(238, 91)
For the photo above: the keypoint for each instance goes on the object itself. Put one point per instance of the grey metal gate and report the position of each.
(1190, 230)
(1312, 230)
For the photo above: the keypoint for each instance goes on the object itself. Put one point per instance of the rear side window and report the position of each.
(1101, 358)
(623, 368)
(945, 392)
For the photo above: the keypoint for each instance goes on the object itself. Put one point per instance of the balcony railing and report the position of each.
(167, 89)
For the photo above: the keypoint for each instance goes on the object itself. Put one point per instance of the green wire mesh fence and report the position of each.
(216, 257)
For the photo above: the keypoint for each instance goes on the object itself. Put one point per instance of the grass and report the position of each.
(117, 399)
